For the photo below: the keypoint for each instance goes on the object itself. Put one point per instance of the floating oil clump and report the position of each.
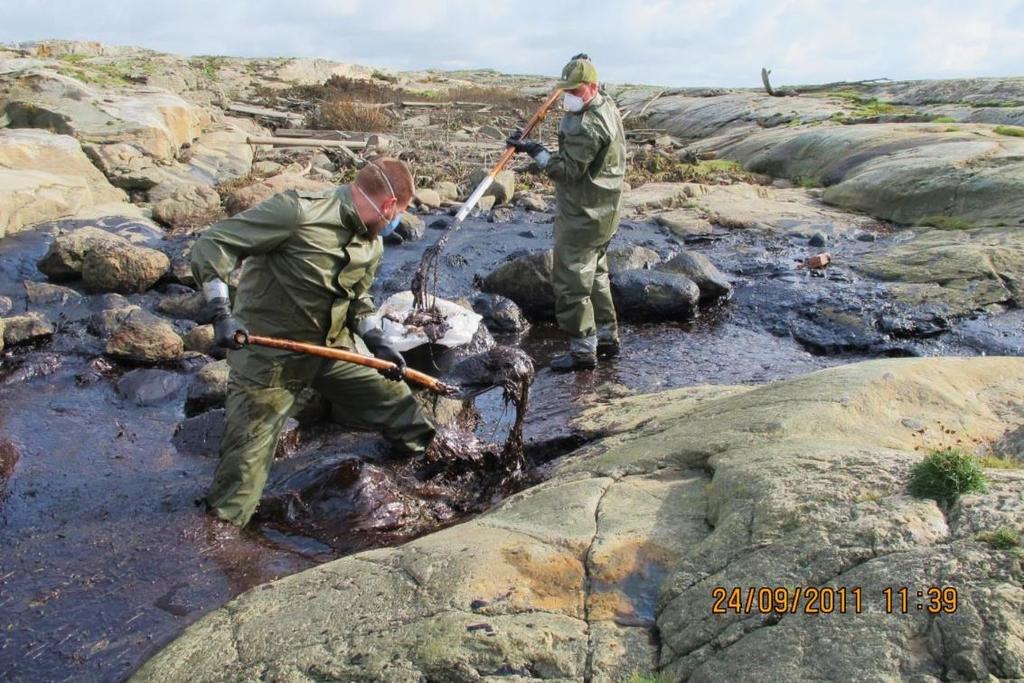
(355, 495)
(432, 321)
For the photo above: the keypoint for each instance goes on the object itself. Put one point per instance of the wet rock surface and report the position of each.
(500, 314)
(781, 321)
(525, 279)
(150, 387)
(654, 296)
(208, 388)
(25, 329)
(122, 268)
(66, 254)
(620, 549)
(156, 450)
(702, 272)
(144, 338)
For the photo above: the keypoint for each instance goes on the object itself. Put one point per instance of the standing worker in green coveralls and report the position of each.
(588, 170)
(310, 259)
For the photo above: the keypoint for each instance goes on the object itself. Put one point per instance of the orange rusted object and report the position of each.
(818, 261)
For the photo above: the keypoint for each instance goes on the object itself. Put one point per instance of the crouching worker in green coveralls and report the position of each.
(310, 259)
(588, 170)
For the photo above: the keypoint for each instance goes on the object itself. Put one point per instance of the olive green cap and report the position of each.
(576, 73)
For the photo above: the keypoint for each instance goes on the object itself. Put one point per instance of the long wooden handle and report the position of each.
(349, 357)
(505, 157)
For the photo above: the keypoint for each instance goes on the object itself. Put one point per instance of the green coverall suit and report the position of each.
(309, 264)
(588, 171)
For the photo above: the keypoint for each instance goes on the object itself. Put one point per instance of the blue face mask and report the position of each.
(391, 227)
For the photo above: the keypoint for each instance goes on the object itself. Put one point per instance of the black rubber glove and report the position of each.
(225, 325)
(531, 147)
(380, 348)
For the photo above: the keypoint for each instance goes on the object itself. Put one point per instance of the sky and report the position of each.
(661, 42)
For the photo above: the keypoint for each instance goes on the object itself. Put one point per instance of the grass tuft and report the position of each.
(945, 475)
(946, 223)
(1012, 131)
(998, 462)
(346, 115)
(1003, 538)
(652, 165)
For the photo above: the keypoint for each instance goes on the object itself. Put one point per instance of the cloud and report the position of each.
(669, 42)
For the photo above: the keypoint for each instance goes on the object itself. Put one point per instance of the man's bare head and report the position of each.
(384, 188)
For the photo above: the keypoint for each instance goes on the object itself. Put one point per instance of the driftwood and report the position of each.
(314, 133)
(305, 142)
(442, 105)
(264, 112)
(767, 83)
(822, 87)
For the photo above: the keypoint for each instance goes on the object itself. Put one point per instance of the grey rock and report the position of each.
(501, 314)
(25, 329)
(190, 306)
(44, 294)
(181, 271)
(148, 387)
(105, 322)
(531, 201)
(322, 161)
(267, 168)
(502, 189)
(208, 388)
(898, 172)
(486, 203)
(201, 339)
(123, 268)
(1011, 445)
(526, 279)
(631, 257)
(63, 259)
(447, 191)
(699, 268)
(818, 239)
(502, 214)
(411, 228)
(142, 337)
(649, 295)
(428, 198)
(184, 203)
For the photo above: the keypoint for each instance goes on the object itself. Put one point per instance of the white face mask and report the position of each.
(572, 102)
